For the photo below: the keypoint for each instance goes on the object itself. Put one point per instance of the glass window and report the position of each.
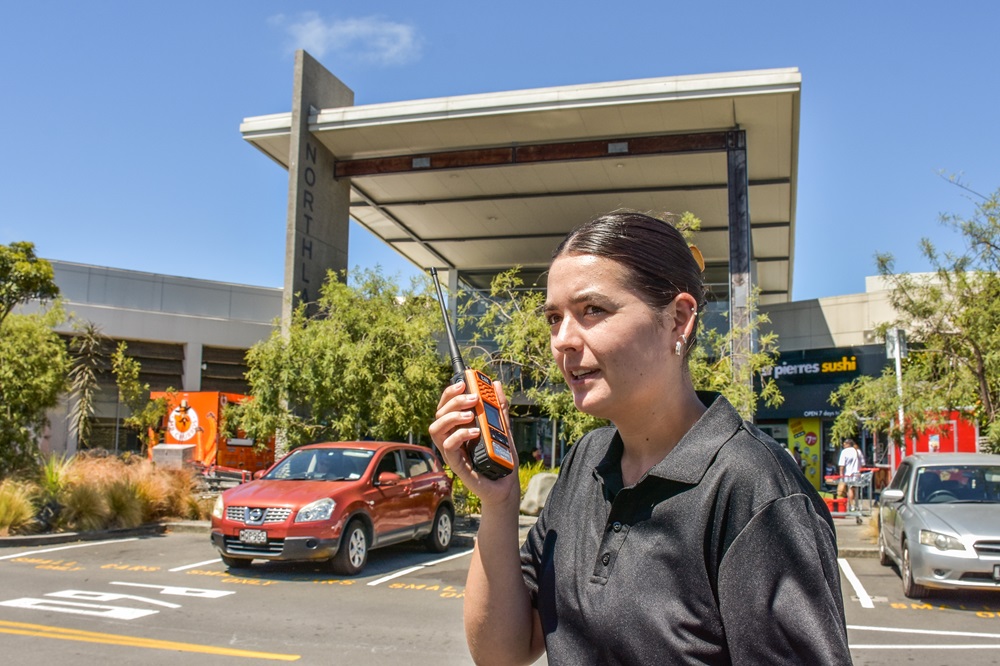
(417, 463)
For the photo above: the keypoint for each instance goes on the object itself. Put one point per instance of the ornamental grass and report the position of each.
(17, 512)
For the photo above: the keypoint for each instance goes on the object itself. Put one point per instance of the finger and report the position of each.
(450, 392)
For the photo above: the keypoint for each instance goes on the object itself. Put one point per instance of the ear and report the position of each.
(685, 314)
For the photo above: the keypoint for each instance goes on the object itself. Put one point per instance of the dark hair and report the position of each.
(653, 252)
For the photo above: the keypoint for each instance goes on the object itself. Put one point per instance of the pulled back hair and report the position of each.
(653, 252)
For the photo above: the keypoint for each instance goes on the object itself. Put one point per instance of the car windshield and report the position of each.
(322, 465)
(957, 483)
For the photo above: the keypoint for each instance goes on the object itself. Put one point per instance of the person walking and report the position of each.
(850, 465)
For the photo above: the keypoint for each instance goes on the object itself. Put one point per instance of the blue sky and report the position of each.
(122, 147)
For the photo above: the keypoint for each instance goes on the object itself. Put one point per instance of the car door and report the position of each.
(890, 511)
(423, 486)
(390, 505)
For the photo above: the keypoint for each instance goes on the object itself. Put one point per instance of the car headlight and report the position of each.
(940, 541)
(318, 510)
(219, 508)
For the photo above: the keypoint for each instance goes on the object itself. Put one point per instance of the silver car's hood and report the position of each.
(979, 520)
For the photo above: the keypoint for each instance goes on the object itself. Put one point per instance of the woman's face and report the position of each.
(616, 356)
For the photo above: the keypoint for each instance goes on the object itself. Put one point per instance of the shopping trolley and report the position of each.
(862, 480)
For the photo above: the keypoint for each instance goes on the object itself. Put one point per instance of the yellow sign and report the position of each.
(804, 434)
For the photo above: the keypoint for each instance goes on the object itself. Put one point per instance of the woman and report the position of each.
(681, 534)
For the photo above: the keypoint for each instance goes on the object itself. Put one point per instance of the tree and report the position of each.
(33, 367)
(952, 320)
(23, 277)
(366, 365)
(145, 415)
(512, 339)
(713, 366)
(88, 353)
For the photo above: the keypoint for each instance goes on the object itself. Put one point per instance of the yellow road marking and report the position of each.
(43, 631)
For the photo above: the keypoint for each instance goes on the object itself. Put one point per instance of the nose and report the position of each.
(565, 336)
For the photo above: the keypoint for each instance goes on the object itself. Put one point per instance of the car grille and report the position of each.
(271, 515)
(236, 547)
(987, 548)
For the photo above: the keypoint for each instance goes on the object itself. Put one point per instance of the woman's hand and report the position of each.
(454, 426)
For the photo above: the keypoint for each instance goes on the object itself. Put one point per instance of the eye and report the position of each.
(552, 319)
(594, 310)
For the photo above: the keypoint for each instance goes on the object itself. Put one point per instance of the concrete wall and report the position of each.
(149, 307)
(836, 321)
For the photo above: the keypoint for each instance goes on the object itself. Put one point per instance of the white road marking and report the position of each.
(181, 591)
(932, 632)
(859, 589)
(409, 570)
(924, 647)
(78, 545)
(196, 564)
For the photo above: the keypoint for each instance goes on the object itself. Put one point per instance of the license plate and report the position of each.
(996, 572)
(253, 536)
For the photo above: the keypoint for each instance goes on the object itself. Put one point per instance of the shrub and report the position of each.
(85, 508)
(16, 510)
(126, 505)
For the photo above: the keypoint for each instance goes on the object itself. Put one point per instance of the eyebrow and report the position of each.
(586, 295)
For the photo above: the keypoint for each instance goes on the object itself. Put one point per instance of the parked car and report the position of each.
(335, 502)
(939, 522)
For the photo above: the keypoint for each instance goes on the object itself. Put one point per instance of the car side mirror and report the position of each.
(259, 473)
(388, 479)
(891, 495)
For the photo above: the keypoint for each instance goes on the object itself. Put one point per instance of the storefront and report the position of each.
(805, 419)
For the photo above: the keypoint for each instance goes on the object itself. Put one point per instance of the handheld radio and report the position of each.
(491, 453)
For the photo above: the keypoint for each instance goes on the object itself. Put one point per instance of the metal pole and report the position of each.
(118, 400)
(899, 388)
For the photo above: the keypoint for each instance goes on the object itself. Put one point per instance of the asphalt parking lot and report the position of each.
(149, 599)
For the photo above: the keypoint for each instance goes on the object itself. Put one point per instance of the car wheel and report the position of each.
(883, 554)
(236, 562)
(440, 537)
(353, 553)
(910, 589)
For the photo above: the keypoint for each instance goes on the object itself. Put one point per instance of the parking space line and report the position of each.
(932, 632)
(859, 589)
(196, 564)
(409, 570)
(78, 545)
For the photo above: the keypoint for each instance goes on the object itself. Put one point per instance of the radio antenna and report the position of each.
(457, 365)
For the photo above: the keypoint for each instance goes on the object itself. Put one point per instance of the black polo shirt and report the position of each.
(722, 553)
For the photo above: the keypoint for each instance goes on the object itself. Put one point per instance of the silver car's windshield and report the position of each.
(322, 465)
(957, 483)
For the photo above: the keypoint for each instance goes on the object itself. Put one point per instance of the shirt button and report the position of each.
(617, 527)
(605, 559)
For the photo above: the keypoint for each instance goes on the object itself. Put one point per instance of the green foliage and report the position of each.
(33, 367)
(467, 502)
(366, 365)
(952, 320)
(23, 277)
(53, 476)
(145, 415)
(712, 367)
(88, 353)
(519, 352)
(16, 509)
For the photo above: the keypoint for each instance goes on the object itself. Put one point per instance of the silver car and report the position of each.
(939, 521)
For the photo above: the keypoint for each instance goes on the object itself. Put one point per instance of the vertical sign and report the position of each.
(318, 206)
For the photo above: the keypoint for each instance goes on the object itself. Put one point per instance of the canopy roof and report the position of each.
(484, 182)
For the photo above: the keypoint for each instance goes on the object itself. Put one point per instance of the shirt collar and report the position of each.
(691, 458)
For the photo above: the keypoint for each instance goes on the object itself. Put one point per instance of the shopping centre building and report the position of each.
(473, 185)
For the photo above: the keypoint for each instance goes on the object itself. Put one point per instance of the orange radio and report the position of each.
(491, 454)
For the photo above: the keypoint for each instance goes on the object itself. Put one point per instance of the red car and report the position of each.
(335, 502)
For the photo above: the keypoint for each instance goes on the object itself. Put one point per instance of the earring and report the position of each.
(679, 347)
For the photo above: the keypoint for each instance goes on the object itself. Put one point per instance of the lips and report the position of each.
(581, 374)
